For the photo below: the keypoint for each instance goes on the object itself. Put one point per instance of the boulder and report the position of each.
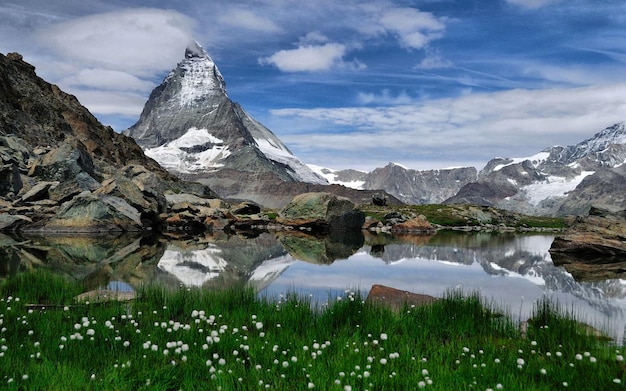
(594, 247)
(417, 224)
(396, 298)
(89, 212)
(63, 163)
(38, 192)
(321, 212)
(10, 222)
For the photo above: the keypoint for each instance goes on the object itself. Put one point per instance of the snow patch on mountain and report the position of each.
(535, 160)
(552, 187)
(282, 155)
(331, 176)
(182, 156)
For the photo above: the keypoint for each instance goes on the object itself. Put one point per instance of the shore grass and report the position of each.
(235, 340)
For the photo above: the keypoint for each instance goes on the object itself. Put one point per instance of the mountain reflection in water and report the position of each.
(511, 270)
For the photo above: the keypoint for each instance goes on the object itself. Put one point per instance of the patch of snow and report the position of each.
(553, 186)
(280, 154)
(172, 155)
(331, 177)
(512, 181)
(399, 165)
(534, 159)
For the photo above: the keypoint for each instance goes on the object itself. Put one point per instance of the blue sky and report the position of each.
(352, 84)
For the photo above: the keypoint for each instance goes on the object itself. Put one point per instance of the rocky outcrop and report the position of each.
(60, 169)
(321, 212)
(594, 247)
(606, 189)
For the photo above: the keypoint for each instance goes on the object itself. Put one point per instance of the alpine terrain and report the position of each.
(408, 185)
(558, 180)
(190, 126)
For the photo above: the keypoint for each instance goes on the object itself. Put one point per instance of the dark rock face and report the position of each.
(594, 248)
(60, 169)
(605, 189)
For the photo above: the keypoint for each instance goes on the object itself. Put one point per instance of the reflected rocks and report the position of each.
(321, 250)
(96, 260)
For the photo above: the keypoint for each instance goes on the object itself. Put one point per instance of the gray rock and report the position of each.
(89, 212)
(322, 211)
(10, 222)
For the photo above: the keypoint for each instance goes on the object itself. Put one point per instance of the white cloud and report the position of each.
(384, 98)
(434, 61)
(310, 58)
(248, 20)
(105, 79)
(110, 102)
(471, 128)
(139, 40)
(414, 28)
(532, 4)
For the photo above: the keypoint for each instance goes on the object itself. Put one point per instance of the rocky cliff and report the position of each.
(61, 169)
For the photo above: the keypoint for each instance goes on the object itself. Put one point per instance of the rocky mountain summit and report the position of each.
(558, 180)
(193, 129)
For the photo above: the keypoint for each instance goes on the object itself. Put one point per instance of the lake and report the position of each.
(511, 270)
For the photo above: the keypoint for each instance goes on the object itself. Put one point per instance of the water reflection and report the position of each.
(512, 270)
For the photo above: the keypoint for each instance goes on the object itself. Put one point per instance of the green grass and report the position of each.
(233, 340)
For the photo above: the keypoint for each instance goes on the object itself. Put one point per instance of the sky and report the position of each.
(352, 83)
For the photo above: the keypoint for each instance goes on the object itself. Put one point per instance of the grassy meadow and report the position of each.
(193, 339)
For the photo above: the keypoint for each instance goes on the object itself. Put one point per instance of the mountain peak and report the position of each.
(195, 50)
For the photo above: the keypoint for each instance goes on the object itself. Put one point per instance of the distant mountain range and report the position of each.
(191, 127)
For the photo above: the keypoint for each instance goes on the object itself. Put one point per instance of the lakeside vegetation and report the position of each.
(235, 340)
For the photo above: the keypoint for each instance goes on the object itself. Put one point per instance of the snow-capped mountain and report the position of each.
(558, 180)
(408, 185)
(191, 127)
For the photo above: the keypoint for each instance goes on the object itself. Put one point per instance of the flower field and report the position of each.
(235, 340)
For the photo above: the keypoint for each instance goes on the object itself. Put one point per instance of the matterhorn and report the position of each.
(190, 126)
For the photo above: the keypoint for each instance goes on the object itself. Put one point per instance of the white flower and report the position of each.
(579, 357)
(421, 384)
(310, 386)
(383, 361)
(383, 337)
(520, 361)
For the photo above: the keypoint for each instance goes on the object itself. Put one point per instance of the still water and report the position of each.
(512, 271)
